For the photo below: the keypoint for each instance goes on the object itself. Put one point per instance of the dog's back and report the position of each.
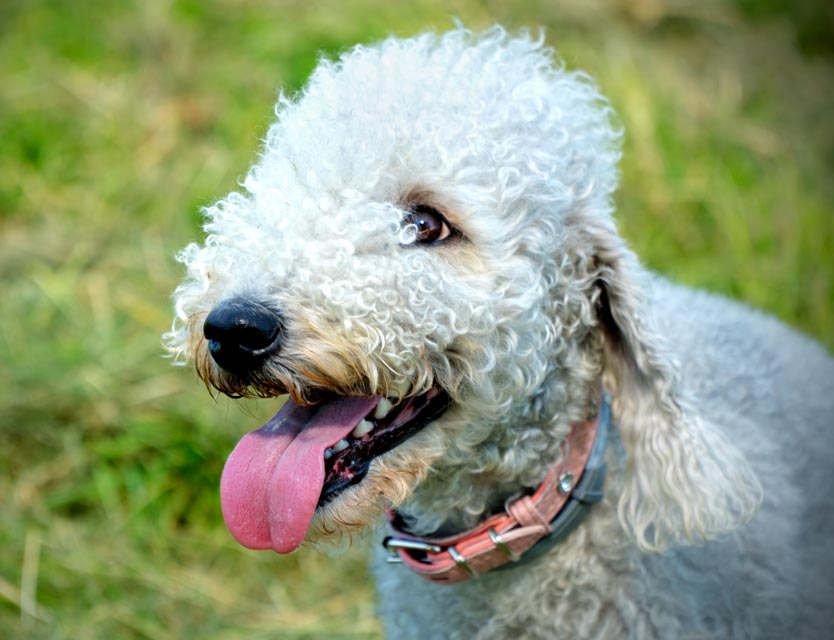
(770, 390)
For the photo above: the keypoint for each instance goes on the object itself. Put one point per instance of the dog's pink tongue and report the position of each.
(273, 479)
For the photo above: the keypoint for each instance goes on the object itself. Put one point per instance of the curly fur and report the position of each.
(520, 320)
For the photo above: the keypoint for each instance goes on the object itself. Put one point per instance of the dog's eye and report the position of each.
(431, 225)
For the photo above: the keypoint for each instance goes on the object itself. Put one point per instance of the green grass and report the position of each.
(119, 120)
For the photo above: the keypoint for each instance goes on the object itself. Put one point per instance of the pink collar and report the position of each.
(551, 511)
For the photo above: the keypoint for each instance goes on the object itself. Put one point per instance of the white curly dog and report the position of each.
(424, 259)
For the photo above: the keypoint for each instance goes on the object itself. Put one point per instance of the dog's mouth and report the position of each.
(305, 456)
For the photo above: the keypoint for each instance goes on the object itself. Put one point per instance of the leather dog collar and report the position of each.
(527, 527)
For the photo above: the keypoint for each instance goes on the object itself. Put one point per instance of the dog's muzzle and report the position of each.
(241, 334)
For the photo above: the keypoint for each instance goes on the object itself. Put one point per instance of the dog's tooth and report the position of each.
(382, 408)
(362, 428)
(340, 446)
(328, 453)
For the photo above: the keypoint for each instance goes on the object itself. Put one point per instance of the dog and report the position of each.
(553, 441)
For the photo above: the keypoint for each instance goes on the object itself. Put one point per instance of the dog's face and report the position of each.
(397, 266)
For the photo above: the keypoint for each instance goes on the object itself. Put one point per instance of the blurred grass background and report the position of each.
(118, 120)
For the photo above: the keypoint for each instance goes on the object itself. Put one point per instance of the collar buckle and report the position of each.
(393, 546)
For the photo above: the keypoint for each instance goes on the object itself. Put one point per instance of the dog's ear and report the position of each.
(684, 482)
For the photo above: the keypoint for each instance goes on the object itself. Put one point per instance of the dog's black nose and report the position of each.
(241, 334)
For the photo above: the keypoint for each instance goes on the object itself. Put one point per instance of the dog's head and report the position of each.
(424, 260)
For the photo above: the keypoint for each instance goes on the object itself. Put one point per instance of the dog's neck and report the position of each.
(464, 492)
(528, 524)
